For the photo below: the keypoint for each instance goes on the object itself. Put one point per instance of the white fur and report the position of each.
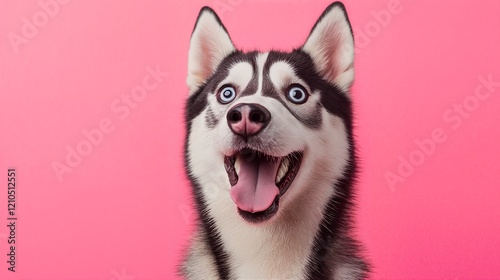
(240, 75)
(200, 252)
(209, 45)
(283, 74)
(278, 248)
(257, 252)
(331, 45)
(261, 60)
(347, 273)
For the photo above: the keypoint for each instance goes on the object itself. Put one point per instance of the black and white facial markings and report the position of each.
(297, 88)
(289, 78)
(303, 105)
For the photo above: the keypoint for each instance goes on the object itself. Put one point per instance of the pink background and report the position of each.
(123, 212)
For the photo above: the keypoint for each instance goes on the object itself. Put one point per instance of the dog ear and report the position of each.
(331, 46)
(210, 43)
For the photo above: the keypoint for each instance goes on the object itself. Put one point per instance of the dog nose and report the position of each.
(248, 119)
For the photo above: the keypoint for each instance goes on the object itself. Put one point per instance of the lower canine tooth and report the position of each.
(237, 166)
(282, 170)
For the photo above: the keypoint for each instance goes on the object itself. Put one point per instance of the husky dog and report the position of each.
(270, 155)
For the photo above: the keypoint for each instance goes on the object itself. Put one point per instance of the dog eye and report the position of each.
(297, 94)
(226, 94)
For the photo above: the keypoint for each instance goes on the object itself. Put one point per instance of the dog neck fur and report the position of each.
(284, 247)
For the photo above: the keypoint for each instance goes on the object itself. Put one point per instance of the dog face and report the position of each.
(267, 129)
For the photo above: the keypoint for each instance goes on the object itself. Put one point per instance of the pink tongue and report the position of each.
(256, 188)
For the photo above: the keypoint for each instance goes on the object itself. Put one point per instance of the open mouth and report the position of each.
(259, 180)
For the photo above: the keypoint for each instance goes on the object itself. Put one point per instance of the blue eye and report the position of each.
(297, 94)
(226, 94)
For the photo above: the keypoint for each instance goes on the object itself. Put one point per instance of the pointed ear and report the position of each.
(210, 43)
(331, 46)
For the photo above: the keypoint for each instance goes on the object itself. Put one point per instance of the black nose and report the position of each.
(248, 119)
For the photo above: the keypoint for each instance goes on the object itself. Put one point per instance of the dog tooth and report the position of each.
(280, 176)
(286, 163)
(237, 165)
(284, 166)
(283, 169)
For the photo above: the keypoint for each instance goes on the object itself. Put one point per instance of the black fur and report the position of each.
(327, 10)
(333, 233)
(209, 232)
(211, 119)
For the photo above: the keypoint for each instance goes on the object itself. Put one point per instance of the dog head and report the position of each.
(266, 130)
